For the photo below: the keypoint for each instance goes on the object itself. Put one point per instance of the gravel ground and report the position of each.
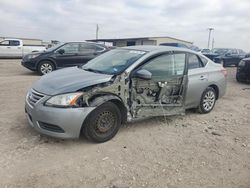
(194, 150)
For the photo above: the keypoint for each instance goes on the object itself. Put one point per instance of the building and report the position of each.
(140, 41)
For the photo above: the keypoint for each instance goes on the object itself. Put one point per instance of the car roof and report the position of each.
(151, 48)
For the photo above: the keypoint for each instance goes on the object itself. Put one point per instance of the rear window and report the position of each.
(194, 62)
(204, 60)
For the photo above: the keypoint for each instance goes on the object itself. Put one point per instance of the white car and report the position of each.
(16, 48)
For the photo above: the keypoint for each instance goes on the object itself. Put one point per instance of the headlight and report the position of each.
(32, 56)
(65, 100)
(242, 63)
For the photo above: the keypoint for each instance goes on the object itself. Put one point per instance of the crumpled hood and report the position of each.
(68, 80)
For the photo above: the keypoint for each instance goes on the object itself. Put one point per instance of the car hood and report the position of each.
(68, 80)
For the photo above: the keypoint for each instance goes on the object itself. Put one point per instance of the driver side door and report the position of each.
(164, 93)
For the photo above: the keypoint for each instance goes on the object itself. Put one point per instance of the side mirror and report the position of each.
(143, 74)
(228, 54)
(61, 51)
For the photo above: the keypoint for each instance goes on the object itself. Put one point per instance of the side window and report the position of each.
(14, 43)
(241, 52)
(5, 43)
(234, 51)
(87, 48)
(166, 66)
(194, 62)
(70, 48)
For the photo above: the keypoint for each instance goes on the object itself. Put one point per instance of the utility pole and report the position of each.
(213, 43)
(209, 34)
(96, 32)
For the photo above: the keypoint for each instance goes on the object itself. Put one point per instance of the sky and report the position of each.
(75, 20)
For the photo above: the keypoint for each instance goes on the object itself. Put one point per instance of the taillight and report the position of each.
(224, 72)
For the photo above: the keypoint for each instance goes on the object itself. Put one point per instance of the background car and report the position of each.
(63, 55)
(205, 51)
(243, 70)
(122, 85)
(247, 55)
(215, 52)
(231, 57)
(14, 48)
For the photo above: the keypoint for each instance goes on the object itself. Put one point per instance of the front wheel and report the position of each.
(45, 67)
(103, 123)
(208, 100)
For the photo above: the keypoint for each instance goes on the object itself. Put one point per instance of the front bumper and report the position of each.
(29, 64)
(59, 122)
(241, 74)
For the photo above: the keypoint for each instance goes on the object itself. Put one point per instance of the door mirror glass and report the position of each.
(143, 74)
(61, 51)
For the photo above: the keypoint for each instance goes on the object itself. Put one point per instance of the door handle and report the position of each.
(203, 77)
(8, 47)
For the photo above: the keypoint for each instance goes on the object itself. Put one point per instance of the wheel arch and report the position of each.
(216, 88)
(99, 99)
(47, 59)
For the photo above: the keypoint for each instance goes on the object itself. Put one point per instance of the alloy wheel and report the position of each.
(209, 100)
(46, 68)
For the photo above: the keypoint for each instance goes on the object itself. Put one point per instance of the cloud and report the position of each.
(72, 20)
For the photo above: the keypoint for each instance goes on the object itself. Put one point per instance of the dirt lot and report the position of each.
(195, 150)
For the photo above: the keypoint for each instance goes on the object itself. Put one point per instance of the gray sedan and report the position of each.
(122, 85)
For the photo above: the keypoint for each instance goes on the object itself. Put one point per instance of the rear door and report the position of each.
(70, 57)
(197, 79)
(88, 51)
(164, 94)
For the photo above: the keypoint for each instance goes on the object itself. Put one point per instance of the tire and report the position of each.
(103, 123)
(208, 100)
(45, 67)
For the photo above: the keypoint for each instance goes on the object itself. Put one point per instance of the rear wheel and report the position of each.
(208, 100)
(103, 123)
(45, 67)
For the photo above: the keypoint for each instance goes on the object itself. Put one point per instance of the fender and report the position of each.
(47, 59)
(99, 100)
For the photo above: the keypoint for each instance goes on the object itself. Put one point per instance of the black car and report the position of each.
(215, 53)
(230, 57)
(247, 55)
(243, 70)
(63, 55)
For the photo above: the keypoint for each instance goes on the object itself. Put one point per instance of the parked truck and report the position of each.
(14, 48)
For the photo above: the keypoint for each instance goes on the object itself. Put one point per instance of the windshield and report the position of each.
(54, 47)
(114, 61)
(219, 50)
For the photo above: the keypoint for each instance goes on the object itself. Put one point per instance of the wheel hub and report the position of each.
(209, 100)
(46, 68)
(105, 121)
